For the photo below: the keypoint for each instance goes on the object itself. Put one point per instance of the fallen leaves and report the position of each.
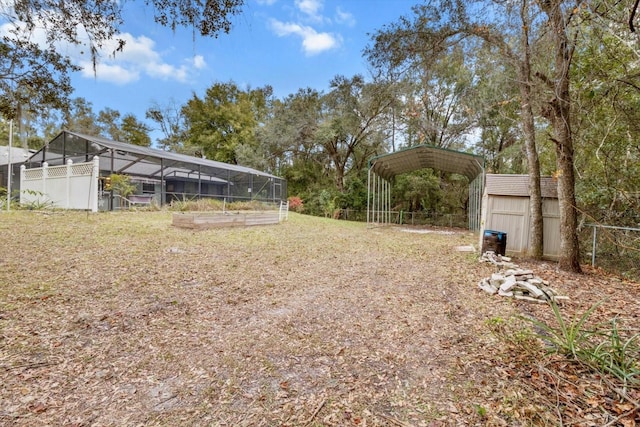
(122, 319)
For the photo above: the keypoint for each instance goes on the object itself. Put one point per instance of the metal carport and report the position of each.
(383, 169)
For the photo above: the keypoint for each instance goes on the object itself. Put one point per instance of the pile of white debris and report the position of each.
(515, 282)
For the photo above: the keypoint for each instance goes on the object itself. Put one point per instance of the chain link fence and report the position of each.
(613, 248)
(409, 218)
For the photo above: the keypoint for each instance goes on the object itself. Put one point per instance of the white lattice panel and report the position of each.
(70, 186)
(31, 174)
(82, 169)
(57, 172)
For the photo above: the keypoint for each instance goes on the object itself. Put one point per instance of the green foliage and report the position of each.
(126, 129)
(32, 78)
(350, 130)
(121, 184)
(605, 127)
(355, 193)
(40, 201)
(216, 205)
(514, 333)
(327, 201)
(134, 132)
(320, 202)
(566, 337)
(36, 77)
(618, 356)
(603, 349)
(225, 119)
(416, 191)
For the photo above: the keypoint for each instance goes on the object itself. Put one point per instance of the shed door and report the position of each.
(510, 215)
(551, 231)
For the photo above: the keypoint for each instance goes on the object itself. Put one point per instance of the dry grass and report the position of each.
(121, 319)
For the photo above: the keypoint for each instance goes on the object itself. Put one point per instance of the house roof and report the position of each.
(18, 155)
(426, 156)
(518, 186)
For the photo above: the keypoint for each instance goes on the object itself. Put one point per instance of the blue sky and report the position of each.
(288, 44)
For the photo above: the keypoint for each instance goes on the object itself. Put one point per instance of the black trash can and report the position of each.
(495, 241)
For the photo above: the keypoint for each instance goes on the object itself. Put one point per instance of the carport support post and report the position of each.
(376, 201)
(389, 201)
(383, 216)
(368, 192)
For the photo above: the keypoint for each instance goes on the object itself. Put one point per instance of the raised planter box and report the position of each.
(203, 220)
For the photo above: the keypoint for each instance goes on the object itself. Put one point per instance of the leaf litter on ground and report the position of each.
(118, 319)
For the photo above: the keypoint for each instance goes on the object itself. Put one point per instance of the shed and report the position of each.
(505, 208)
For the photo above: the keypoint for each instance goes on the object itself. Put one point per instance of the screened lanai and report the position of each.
(383, 169)
(159, 175)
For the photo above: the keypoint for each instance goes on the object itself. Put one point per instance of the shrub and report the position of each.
(296, 204)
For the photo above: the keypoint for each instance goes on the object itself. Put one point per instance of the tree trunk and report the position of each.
(536, 247)
(559, 114)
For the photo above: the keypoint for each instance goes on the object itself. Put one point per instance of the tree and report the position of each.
(36, 77)
(560, 15)
(348, 129)
(606, 119)
(289, 135)
(444, 28)
(31, 78)
(108, 120)
(496, 108)
(226, 118)
(81, 118)
(172, 124)
(134, 131)
(436, 110)
(126, 129)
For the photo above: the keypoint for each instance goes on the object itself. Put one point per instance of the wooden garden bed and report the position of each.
(203, 220)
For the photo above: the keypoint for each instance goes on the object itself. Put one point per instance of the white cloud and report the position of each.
(110, 73)
(199, 62)
(343, 17)
(309, 7)
(313, 42)
(138, 58)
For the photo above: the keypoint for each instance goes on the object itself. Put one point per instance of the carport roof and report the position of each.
(426, 156)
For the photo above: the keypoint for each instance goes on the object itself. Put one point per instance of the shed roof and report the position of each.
(518, 186)
(426, 156)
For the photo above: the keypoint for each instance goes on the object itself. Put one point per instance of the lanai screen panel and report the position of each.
(184, 176)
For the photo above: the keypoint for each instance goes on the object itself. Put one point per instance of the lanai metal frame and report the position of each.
(172, 174)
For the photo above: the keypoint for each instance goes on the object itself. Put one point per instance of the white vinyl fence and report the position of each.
(283, 212)
(71, 186)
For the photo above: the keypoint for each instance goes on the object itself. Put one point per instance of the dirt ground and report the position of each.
(121, 319)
